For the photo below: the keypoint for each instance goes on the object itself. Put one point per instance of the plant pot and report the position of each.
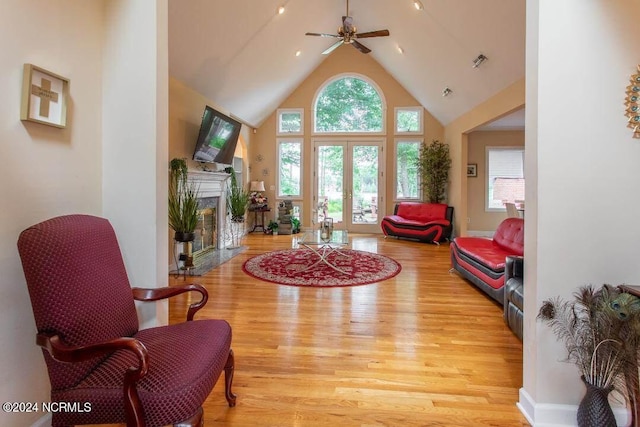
(594, 409)
(184, 237)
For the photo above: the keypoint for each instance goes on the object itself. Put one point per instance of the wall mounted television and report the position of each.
(217, 138)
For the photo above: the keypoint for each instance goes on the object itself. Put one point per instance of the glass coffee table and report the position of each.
(323, 247)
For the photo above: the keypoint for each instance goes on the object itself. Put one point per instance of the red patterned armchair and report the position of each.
(96, 355)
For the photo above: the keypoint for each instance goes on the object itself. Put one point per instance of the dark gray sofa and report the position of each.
(514, 294)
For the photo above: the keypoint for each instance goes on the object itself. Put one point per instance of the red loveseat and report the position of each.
(427, 222)
(482, 261)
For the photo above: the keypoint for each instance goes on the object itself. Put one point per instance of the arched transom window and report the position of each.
(349, 104)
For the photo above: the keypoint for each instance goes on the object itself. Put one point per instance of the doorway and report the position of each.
(348, 183)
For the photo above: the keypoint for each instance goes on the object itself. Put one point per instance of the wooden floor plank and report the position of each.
(424, 348)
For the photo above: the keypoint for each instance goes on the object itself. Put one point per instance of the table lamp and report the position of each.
(256, 188)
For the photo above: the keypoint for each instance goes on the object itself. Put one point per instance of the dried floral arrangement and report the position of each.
(601, 331)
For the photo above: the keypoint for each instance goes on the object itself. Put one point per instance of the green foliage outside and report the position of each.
(433, 165)
(290, 122)
(290, 157)
(349, 105)
(408, 121)
(407, 154)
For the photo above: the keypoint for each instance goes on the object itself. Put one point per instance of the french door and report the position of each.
(348, 183)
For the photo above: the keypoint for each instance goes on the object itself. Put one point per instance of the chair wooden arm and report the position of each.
(64, 353)
(155, 294)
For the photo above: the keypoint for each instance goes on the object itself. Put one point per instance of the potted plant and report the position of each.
(237, 198)
(183, 202)
(601, 331)
(273, 226)
(433, 164)
(295, 225)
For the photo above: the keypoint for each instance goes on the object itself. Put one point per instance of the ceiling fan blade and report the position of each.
(321, 35)
(379, 33)
(362, 48)
(333, 47)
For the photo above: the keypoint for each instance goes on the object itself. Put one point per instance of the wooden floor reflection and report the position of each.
(424, 348)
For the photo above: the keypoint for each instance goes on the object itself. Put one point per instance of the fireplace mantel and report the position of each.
(211, 184)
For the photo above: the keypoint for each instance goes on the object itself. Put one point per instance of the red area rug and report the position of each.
(296, 267)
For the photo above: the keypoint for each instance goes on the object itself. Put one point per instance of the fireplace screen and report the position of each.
(206, 230)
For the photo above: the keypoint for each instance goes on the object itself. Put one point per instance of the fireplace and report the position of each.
(207, 229)
(212, 207)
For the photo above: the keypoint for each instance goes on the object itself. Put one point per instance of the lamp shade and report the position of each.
(256, 186)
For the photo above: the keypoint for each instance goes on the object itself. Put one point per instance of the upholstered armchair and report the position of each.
(514, 294)
(95, 353)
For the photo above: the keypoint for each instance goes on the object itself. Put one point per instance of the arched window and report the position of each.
(349, 104)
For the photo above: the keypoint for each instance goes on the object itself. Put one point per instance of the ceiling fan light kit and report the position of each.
(348, 33)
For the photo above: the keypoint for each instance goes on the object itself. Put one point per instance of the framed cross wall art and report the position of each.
(44, 97)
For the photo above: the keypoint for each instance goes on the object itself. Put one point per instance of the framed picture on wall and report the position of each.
(472, 169)
(44, 97)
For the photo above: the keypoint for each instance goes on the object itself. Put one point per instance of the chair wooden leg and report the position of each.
(196, 420)
(228, 379)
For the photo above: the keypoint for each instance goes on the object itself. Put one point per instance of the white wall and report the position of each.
(585, 223)
(135, 142)
(45, 171)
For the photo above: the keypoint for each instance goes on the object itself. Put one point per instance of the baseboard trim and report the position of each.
(480, 233)
(551, 415)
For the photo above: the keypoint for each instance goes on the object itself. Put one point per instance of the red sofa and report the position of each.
(427, 222)
(482, 261)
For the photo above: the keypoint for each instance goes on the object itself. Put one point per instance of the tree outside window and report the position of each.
(290, 121)
(409, 120)
(349, 104)
(289, 168)
(407, 177)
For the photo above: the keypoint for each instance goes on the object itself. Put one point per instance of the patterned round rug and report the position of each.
(304, 267)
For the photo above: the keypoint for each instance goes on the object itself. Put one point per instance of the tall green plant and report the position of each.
(183, 198)
(433, 166)
(237, 198)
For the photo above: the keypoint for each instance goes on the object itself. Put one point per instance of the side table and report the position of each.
(256, 223)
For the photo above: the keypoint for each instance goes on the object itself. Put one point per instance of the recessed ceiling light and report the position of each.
(418, 5)
(280, 10)
(298, 52)
(400, 49)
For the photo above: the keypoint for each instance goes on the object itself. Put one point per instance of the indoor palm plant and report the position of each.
(183, 201)
(237, 198)
(433, 164)
(601, 332)
(237, 202)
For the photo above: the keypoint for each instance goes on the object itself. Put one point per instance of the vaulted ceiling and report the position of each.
(241, 54)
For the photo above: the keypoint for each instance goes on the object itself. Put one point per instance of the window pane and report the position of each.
(348, 105)
(289, 168)
(407, 183)
(505, 176)
(290, 122)
(408, 121)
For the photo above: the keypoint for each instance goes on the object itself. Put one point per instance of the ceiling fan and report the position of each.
(348, 33)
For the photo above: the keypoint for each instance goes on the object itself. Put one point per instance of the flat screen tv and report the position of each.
(217, 139)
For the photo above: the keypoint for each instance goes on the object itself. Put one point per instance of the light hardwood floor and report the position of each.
(425, 348)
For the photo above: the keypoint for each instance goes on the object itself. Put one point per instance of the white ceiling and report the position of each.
(241, 53)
